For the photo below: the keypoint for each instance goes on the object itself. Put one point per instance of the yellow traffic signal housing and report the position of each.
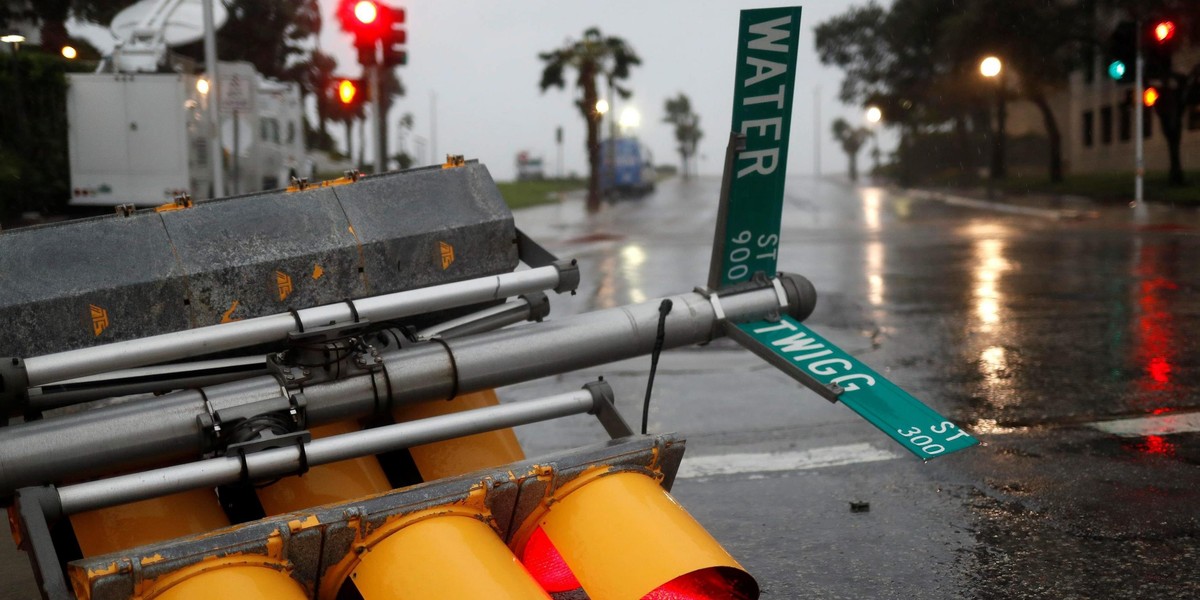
(602, 507)
(621, 536)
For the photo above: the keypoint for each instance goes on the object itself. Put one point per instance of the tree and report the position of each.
(919, 62)
(314, 75)
(852, 140)
(266, 33)
(893, 60)
(687, 127)
(592, 56)
(402, 156)
(1039, 42)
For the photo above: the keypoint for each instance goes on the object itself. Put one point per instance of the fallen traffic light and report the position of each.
(619, 535)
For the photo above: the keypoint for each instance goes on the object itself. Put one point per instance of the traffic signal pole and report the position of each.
(378, 122)
(215, 162)
(1139, 206)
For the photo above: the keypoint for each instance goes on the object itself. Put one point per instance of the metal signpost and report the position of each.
(746, 244)
(747, 238)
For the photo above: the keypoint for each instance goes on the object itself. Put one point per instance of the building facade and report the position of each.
(1098, 121)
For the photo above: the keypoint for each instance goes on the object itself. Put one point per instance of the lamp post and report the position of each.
(992, 68)
(874, 116)
(14, 40)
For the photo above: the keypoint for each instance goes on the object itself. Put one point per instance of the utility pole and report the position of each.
(817, 131)
(1139, 150)
(377, 120)
(558, 139)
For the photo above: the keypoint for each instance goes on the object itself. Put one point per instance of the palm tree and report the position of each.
(852, 140)
(687, 127)
(594, 55)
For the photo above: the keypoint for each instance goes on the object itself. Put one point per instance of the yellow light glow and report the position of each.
(875, 273)
(69, 53)
(347, 91)
(874, 114)
(602, 106)
(990, 265)
(202, 86)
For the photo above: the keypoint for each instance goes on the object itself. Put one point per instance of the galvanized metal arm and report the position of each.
(125, 435)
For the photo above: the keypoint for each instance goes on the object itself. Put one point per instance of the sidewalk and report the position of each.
(1034, 205)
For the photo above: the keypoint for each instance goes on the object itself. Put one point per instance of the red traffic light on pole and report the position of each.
(394, 38)
(364, 19)
(365, 12)
(1163, 31)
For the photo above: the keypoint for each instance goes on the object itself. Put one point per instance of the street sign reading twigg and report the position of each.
(894, 411)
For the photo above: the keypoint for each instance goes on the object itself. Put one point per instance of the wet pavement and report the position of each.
(1034, 332)
(1031, 329)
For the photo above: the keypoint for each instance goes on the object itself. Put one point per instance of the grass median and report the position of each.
(520, 194)
(1110, 187)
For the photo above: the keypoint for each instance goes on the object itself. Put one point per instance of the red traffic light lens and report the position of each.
(547, 566)
(705, 584)
(366, 11)
(1164, 30)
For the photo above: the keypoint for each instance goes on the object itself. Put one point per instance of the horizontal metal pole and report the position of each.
(275, 328)
(489, 319)
(283, 461)
(153, 431)
(142, 380)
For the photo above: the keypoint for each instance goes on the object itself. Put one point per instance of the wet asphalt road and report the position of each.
(1025, 329)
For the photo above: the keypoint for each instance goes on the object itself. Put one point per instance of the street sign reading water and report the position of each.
(815, 362)
(747, 242)
(747, 239)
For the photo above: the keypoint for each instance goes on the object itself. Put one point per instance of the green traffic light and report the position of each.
(1116, 70)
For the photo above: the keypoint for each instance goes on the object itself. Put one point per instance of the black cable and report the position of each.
(663, 310)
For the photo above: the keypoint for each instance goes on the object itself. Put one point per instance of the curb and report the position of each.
(1029, 211)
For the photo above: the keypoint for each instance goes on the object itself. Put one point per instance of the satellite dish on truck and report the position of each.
(145, 30)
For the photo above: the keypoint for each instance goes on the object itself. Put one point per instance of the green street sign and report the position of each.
(747, 237)
(834, 373)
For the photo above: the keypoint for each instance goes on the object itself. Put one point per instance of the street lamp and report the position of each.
(15, 39)
(202, 86)
(602, 106)
(69, 52)
(874, 117)
(630, 118)
(992, 68)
